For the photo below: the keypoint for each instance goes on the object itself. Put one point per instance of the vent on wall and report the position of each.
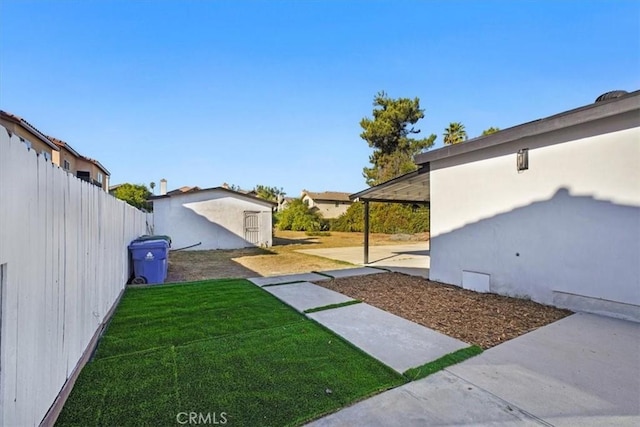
(479, 282)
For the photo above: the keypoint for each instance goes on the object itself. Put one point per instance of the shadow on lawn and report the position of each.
(281, 241)
(186, 266)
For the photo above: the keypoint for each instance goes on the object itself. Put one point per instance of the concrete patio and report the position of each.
(408, 255)
(583, 370)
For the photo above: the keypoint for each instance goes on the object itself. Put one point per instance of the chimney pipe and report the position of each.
(163, 187)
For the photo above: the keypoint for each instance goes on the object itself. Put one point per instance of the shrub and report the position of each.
(388, 218)
(298, 217)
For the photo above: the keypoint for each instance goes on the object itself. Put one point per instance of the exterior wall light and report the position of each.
(522, 160)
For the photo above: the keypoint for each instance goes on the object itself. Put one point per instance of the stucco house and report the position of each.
(28, 134)
(212, 218)
(547, 210)
(330, 204)
(56, 151)
(85, 168)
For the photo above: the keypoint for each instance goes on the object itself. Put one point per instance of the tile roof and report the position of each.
(185, 189)
(54, 143)
(25, 124)
(62, 144)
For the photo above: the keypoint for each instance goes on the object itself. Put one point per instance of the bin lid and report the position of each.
(149, 244)
(153, 237)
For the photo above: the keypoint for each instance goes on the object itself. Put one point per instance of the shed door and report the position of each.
(252, 227)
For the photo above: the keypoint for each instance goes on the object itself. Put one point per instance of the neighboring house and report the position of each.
(56, 151)
(216, 218)
(92, 171)
(66, 157)
(82, 167)
(284, 203)
(28, 134)
(183, 190)
(547, 210)
(113, 188)
(330, 204)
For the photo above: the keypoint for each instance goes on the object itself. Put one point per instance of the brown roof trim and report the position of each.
(577, 116)
(25, 124)
(62, 144)
(237, 193)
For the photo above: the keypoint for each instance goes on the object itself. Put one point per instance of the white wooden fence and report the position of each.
(63, 264)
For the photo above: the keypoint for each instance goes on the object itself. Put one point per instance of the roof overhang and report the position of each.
(578, 116)
(412, 187)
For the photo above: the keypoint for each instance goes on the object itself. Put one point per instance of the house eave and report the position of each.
(575, 117)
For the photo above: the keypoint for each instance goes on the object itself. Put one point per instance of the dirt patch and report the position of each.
(281, 258)
(483, 319)
(281, 263)
(188, 266)
(340, 239)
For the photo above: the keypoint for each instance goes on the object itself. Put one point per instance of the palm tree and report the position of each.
(152, 186)
(454, 133)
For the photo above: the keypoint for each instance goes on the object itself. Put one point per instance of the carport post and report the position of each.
(366, 232)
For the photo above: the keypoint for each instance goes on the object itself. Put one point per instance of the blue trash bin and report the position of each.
(150, 260)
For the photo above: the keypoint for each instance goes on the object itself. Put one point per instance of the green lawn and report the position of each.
(222, 349)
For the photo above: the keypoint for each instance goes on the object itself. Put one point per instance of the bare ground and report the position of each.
(482, 319)
(281, 258)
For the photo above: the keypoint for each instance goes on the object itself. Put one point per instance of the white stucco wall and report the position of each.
(213, 217)
(565, 232)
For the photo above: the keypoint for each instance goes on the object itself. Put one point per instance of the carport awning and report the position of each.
(412, 187)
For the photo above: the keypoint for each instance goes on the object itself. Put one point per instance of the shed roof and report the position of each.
(193, 190)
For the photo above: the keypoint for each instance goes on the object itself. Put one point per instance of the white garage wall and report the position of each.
(63, 264)
(564, 232)
(213, 217)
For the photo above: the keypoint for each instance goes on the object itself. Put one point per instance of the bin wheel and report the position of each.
(139, 280)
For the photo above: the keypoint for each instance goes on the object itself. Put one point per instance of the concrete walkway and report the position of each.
(396, 342)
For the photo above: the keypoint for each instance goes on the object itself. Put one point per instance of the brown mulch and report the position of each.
(475, 318)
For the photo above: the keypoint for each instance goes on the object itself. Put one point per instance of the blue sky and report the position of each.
(272, 92)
